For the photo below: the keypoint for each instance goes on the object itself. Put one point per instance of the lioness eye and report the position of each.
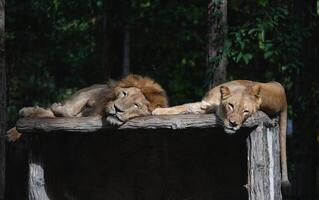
(231, 106)
(136, 105)
(246, 111)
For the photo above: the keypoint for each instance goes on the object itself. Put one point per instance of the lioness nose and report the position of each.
(233, 123)
(117, 109)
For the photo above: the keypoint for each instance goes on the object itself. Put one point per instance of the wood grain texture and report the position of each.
(36, 183)
(94, 124)
(264, 164)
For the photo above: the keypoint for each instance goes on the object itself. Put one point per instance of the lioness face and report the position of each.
(237, 106)
(130, 103)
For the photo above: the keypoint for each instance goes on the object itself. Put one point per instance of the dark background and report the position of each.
(55, 47)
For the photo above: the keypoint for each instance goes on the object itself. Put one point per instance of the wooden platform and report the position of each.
(155, 157)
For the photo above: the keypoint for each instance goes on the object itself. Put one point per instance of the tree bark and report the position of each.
(3, 101)
(126, 51)
(217, 31)
(126, 37)
(105, 47)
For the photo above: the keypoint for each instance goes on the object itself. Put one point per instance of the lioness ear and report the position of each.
(256, 92)
(224, 91)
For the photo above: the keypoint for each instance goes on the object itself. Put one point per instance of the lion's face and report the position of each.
(237, 106)
(130, 103)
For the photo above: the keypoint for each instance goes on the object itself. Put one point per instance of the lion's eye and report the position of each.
(136, 105)
(124, 94)
(231, 106)
(246, 111)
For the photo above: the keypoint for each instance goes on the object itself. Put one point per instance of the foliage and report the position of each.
(56, 47)
(269, 41)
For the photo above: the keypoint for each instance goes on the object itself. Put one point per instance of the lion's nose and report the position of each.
(233, 123)
(117, 109)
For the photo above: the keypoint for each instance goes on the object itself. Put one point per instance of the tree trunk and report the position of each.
(126, 37)
(3, 101)
(217, 60)
(126, 51)
(105, 47)
(304, 122)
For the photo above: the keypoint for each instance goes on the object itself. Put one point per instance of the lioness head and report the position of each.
(134, 96)
(238, 105)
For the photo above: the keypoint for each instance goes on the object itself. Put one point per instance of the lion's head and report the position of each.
(238, 105)
(134, 96)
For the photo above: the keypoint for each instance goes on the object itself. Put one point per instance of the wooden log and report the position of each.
(94, 124)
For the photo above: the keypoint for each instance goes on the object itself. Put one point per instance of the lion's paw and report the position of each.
(28, 111)
(13, 135)
(113, 121)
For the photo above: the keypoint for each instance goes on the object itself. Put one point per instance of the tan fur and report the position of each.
(233, 102)
(118, 101)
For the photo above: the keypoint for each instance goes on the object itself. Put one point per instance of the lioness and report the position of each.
(233, 102)
(118, 101)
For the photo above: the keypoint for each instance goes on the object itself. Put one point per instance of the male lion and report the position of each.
(118, 101)
(233, 102)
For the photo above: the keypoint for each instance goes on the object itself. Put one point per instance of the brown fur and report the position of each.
(235, 101)
(118, 101)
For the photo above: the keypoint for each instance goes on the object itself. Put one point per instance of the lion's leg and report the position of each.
(74, 105)
(194, 108)
(70, 108)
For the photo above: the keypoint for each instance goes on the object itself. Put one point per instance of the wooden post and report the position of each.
(36, 183)
(264, 164)
(263, 169)
(3, 102)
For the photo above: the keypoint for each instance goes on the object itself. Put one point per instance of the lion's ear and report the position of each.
(256, 92)
(256, 89)
(224, 91)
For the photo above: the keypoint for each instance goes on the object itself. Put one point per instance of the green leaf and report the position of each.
(268, 54)
(247, 57)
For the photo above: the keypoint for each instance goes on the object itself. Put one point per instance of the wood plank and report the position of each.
(94, 124)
